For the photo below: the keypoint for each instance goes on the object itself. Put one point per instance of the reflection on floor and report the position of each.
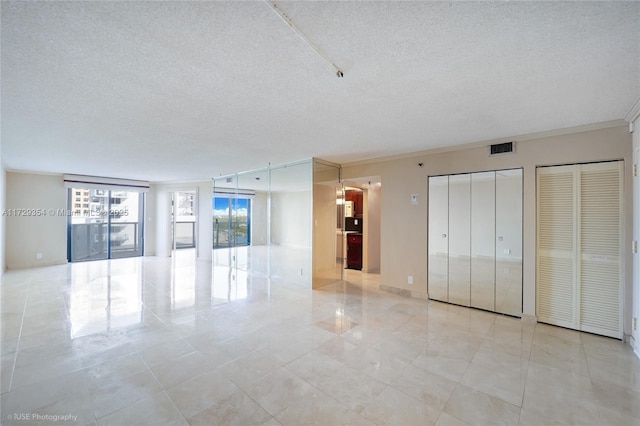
(175, 341)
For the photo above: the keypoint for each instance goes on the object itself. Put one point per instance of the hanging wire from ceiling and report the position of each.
(293, 26)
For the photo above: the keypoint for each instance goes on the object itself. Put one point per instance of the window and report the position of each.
(111, 226)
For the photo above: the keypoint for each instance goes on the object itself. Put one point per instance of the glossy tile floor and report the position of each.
(175, 342)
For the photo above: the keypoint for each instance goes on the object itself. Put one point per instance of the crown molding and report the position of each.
(634, 113)
(480, 144)
(32, 172)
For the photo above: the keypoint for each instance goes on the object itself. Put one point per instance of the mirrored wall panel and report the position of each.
(509, 242)
(224, 227)
(438, 238)
(327, 227)
(475, 240)
(291, 222)
(251, 225)
(262, 222)
(460, 239)
(483, 231)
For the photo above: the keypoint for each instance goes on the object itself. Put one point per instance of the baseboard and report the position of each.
(395, 290)
(404, 292)
(36, 265)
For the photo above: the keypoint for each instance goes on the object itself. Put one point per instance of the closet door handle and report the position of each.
(444, 235)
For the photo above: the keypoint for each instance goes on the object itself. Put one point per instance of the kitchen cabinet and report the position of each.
(354, 251)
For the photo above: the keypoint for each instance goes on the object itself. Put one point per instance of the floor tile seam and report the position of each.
(391, 385)
(554, 355)
(237, 388)
(564, 370)
(175, 406)
(136, 402)
(72, 394)
(448, 414)
(330, 396)
(524, 388)
(484, 393)
(254, 400)
(104, 362)
(495, 396)
(15, 354)
(155, 377)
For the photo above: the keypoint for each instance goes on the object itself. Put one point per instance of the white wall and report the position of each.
(326, 267)
(205, 221)
(259, 208)
(404, 225)
(3, 192)
(635, 340)
(28, 235)
(371, 241)
(150, 222)
(291, 218)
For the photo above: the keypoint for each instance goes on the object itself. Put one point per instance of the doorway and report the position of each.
(360, 213)
(184, 228)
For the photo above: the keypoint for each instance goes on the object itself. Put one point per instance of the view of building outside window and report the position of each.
(185, 227)
(92, 211)
(231, 221)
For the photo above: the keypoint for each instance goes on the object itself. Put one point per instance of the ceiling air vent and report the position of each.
(501, 148)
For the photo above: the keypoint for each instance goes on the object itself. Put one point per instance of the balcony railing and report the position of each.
(185, 234)
(226, 234)
(90, 240)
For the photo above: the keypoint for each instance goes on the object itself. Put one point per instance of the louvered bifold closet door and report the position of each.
(556, 246)
(600, 224)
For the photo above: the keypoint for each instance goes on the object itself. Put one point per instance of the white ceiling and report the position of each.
(167, 91)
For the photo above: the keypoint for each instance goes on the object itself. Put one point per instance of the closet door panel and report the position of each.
(460, 239)
(438, 238)
(600, 265)
(556, 246)
(483, 228)
(509, 242)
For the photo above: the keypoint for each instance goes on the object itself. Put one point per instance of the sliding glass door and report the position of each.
(231, 222)
(104, 224)
(183, 219)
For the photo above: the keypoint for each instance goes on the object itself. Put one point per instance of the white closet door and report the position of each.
(438, 238)
(460, 239)
(483, 249)
(556, 246)
(509, 242)
(579, 259)
(600, 246)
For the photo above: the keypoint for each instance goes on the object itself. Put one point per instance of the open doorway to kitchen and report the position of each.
(360, 215)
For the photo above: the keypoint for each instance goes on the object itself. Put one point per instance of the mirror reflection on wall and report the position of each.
(475, 240)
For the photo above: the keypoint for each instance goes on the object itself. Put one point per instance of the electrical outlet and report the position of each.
(410, 279)
(38, 256)
(635, 324)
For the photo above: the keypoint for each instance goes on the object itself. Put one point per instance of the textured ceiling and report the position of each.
(168, 91)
